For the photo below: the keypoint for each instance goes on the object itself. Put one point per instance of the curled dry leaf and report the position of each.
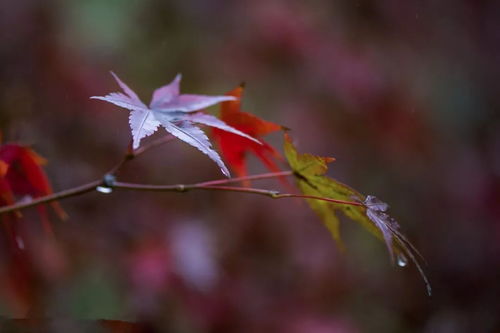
(310, 170)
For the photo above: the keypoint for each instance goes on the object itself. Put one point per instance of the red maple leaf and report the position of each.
(23, 176)
(6, 196)
(234, 148)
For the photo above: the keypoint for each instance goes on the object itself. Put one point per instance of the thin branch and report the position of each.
(131, 154)
(342, 202)
(203, 186)
(254, 177)
(213, 185)
(89, 187)
(152, 144)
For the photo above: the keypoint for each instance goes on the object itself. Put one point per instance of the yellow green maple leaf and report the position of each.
(309, 171)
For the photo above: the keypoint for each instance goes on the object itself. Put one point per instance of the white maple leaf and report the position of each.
(173, 111)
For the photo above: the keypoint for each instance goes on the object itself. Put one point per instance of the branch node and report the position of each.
(109, 180)
(181, 188)
(274, 194)
(107, 183)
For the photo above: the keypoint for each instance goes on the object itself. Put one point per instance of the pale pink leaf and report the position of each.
(189, 103)
(196, 138)
(209, 120)
(170, 109)
(143, 124)
(122, 100)
(126, 88)
(166, 93)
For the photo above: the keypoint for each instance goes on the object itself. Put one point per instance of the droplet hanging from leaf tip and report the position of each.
(402, 261)
(104, 189)
(429, 290)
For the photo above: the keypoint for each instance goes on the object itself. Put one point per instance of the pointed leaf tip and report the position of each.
(212, 121)
(310, 177)
(172, 110)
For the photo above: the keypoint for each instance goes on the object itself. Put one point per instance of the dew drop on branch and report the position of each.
(104, 189)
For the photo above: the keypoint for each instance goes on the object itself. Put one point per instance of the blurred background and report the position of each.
(403, 93)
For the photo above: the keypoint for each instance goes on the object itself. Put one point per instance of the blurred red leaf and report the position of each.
(21, 176)
(6, 196)
(234, 148)
(24, 176)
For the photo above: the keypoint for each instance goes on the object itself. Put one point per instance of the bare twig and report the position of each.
(158, 142)
(89, 186)
(131, 154)
(53, 197)
(254, 177)
(204, 186)
(213, 185)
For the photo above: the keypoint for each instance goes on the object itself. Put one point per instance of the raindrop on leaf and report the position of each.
(402, 260)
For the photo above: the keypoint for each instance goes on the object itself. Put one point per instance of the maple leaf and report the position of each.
(309, 171)
(6, 196)
(24, 176)
(21, 177)
(173, 111)
(234, 148)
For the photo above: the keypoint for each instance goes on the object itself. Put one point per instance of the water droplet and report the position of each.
(429, 289)
(402, 260)
(20, 242)
(104, 189)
